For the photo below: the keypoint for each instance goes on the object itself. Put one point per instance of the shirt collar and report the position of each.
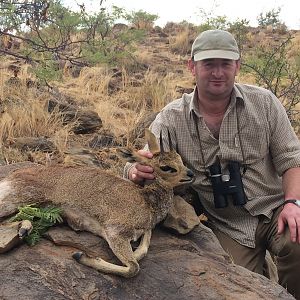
(236, 95)
(194, 103)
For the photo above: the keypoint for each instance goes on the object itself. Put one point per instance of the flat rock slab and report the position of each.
(192, 266)
(9, 236)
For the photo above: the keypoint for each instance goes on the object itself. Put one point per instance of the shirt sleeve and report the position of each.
(284, 143)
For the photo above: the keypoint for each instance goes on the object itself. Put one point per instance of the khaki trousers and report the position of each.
(287, 253)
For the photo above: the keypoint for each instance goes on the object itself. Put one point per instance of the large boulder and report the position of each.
(191, 266)
(83, 120)
(33, 143)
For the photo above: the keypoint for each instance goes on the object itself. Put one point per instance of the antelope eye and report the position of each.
(168, 169)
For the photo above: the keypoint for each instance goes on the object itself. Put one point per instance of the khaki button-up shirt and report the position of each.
(256, 132)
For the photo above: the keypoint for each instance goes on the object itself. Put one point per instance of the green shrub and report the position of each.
(41, 219)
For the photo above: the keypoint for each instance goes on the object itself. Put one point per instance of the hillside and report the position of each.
(81, 118)
(101, 106)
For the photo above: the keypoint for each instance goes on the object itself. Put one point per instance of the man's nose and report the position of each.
(217, 71)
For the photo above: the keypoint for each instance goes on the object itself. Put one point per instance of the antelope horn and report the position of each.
(170, 141)
(161, 143)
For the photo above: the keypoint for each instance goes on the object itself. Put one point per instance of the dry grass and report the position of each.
(124, 107)
(143, 57)
(294, 50)
(24, 114)
(61, 139)
(156, 91)
(10, 155)
(122, 97)
(28, 118)
(88, 87)
(246, 78)
(117, 119)
(123, 110)
(181, 42)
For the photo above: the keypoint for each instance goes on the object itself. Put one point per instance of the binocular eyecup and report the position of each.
(224, 185)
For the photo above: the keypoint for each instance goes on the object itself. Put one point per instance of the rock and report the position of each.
(193, 266)
(82, 156)
(9, 234)
(114, 85)
(104, 139)
(60, 106)
(181, 90)
(33, 143)
(85, 121)
(13, 82)
(270, 268)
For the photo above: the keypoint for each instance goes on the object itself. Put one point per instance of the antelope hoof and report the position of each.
(25, 229)
(77, 255)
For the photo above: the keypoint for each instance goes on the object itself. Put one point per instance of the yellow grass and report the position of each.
(121, 100)
(122, 109)
(181, 42)
(28, 119)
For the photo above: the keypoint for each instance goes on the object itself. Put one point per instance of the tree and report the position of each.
(273, 70)
(51, 34)
(269, 18)
(239, 29)
(212, 22)
(141, 19)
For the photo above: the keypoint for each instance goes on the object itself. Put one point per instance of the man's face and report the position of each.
(215, 77)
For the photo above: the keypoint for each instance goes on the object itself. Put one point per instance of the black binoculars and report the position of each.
(224, 185)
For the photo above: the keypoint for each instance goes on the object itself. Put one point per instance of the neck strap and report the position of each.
(207, 174)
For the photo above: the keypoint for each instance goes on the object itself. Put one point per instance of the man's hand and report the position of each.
(138, 173)
(290, 215)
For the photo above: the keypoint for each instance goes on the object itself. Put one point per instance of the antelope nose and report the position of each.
(190, 173)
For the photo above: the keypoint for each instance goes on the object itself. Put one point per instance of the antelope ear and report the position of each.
(152, 142)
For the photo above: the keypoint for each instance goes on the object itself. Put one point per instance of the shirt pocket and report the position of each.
(254, 144)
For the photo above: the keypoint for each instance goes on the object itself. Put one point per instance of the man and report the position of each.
(238, 141)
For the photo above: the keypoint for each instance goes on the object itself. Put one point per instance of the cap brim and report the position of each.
(209, 54)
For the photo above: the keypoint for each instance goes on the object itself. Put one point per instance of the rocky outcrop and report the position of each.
(192, 266)
(84, 121)
(33, 143)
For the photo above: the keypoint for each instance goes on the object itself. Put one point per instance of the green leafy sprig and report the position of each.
(41, 218)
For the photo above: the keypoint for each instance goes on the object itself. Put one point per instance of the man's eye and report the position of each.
(227, 64)
(168, 169)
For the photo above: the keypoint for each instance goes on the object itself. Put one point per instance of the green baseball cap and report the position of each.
(215, 44)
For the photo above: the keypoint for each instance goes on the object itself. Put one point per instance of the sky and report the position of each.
(189, 10)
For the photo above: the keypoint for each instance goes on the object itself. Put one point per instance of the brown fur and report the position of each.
(102, 203)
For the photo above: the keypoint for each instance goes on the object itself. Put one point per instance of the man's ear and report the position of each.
(191, 66)
(238, 67)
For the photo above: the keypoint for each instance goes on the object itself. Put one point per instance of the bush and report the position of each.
(270, 18)
(273, 70)
(219, 22)
(52, 34)
(141, 19)
(240, 29)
